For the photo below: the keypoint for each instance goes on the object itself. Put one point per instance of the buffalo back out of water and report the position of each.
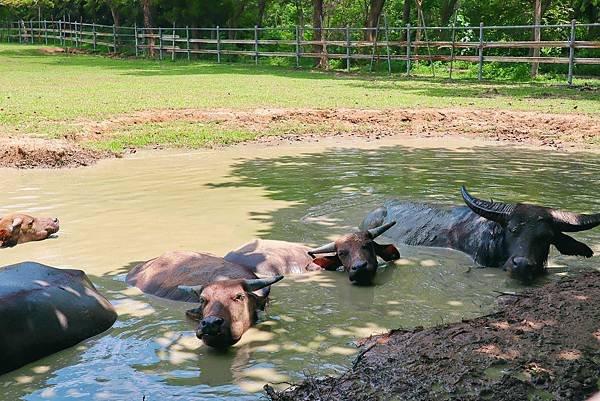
(44, 310)
(273, 258)
(229, 294)
(18, 228)
(516, 237)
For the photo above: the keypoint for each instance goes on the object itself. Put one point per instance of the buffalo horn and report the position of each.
(195, 290)
(491, 210)
(377, 231)
(327, 248)
(258, 283)
(571, 222)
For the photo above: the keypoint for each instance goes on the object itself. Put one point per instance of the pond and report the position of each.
(123, 211)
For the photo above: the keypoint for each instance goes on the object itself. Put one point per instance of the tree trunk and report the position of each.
(262, 5)
(318, 33)
(448, 7)
(373, 14)
(234, 19)
(115, 15)
(406, 14)
(537, 19)
(148, 25)
(300, 16)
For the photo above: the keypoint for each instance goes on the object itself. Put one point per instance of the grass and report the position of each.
(55, 95)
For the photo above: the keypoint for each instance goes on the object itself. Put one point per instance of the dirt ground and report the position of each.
(563, 131)
(544, 344)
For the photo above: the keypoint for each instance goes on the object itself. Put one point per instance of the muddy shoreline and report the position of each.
(573, 131)
(544, 344)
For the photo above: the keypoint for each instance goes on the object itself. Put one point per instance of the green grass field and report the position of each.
(52, 95)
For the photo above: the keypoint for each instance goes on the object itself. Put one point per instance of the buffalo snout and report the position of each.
(210, 326)
(522, 267)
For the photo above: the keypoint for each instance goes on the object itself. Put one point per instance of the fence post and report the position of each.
(218, 45)
(387, 44)
(77, 34)
(297, 47)
(94, 36)
(480, 72)
(256, 44)
(408, 50)
(114, 38)
(173, 44)
(46, 32)
(31, 30)
(135, 35)
(347, 49)
(571, 53)
(187, 35)
(160, 44)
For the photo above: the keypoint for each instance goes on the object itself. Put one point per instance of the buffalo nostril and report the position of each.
(55, 220)
(358, 266)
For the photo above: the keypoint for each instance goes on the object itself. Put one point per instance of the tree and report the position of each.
(318, 32)
(373, 15)
(148, 24)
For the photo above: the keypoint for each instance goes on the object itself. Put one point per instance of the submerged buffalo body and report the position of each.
(230, 295)
(44, 310)
(356, 252)
(19, 228)
(516, 237)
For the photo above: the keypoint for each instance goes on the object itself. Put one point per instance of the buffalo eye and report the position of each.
(239, 297)
(203, 300)
(343, 253)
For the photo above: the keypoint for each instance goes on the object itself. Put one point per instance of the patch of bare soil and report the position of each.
(39, 153)
(538, 128)
(544, 345)
(275, 126)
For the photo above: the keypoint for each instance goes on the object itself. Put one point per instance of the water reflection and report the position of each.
(124, 211)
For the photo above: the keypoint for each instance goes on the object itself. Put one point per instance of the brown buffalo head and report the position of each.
(19, 228)
(529, 230)
(357, 252)
(228, 308)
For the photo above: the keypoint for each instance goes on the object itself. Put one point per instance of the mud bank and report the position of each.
(272, 126)
(543, 345)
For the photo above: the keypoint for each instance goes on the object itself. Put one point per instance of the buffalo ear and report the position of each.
(570, 246)
(386, 252)
(328, 262)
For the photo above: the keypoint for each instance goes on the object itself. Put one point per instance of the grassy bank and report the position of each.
(60, 95)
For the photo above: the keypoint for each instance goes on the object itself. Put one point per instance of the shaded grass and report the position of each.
(53, 95)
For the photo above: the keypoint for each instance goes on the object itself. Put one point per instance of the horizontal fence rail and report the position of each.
(474, 44)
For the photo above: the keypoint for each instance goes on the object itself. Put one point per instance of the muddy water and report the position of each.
(123, 211)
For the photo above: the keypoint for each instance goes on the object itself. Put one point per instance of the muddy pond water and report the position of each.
(123, 211)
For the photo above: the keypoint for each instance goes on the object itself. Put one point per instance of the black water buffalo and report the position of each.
(516, 237)
(44, 310)
(356, 252)
(230, 295)
(17, 228)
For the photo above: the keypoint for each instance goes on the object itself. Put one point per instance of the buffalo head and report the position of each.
(357, 252)
(19, 228)
(529, 230)
(228, 308)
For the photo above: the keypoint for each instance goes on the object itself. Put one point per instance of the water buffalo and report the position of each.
(516, 237)
(44, 310)
(230, 295)
(18, 228)
(356, 252)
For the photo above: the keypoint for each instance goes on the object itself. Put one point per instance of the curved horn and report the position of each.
(191, 289)
(258, 283)
(327, 248)
(377, 231)
(491, 210)
(572, 222)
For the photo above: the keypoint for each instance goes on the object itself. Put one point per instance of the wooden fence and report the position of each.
(477, 44)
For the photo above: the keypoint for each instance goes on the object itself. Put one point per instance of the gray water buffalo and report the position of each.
(516, 237)
(230, 295)
(18, 228)
(356, 252)
(44, 310)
